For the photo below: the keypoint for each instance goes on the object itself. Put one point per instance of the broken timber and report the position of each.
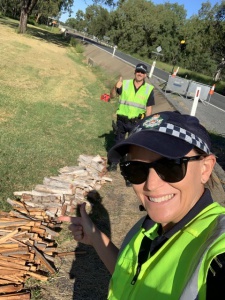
(27, 233)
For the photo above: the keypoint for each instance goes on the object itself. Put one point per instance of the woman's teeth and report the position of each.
(161, 199)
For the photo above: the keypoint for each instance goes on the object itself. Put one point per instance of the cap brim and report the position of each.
(158, 142)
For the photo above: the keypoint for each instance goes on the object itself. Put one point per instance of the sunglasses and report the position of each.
(169, 170)
(142, 72)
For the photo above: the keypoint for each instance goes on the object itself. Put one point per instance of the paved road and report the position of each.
(216, 99)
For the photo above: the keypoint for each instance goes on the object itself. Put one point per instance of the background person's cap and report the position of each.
(141, 67)
(167, 133)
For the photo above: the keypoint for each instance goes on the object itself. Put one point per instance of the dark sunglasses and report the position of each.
(169, 170)
(142, 72)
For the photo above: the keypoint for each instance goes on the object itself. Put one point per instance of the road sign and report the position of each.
(159, 49)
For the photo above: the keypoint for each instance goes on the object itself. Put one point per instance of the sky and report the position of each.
(192, 6)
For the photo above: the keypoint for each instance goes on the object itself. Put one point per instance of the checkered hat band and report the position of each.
(185, 135)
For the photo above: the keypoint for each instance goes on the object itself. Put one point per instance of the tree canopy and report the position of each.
(139, 27)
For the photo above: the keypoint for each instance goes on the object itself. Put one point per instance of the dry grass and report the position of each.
(40, 68)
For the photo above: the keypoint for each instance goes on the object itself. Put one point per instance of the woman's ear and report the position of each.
(208, 164)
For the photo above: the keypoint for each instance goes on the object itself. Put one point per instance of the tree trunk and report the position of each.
(23, 20)
(26, 9)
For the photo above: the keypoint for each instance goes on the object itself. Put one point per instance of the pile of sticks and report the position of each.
(59, 195)
(27, 248)
(28, 231)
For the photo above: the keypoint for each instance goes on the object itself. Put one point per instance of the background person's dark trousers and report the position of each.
(122, 127)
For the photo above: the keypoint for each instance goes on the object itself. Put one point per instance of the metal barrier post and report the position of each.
(152, 69)
(195, 103)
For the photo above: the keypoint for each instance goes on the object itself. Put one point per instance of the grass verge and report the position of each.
(50, 108)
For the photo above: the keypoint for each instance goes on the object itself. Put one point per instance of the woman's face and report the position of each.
(167, 203)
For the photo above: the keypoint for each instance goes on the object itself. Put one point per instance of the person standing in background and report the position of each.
(136, 98)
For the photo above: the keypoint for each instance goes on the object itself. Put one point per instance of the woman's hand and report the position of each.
(82, 228)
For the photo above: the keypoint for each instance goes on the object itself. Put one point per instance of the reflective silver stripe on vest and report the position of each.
(130, 103)
(126, 86)
(147, 89)
(132, 232)
(191, 290)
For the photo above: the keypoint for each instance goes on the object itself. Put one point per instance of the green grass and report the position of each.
(48, 116)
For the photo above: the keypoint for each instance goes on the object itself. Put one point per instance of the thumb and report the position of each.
(86, 221)
(83, 212)
(119, 83)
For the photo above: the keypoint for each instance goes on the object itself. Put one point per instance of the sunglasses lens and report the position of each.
(142, 72)
(168, 170)
(135, 171)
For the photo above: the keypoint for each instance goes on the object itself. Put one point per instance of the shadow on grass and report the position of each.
(109, 139)
(39, 33)
(86, 268)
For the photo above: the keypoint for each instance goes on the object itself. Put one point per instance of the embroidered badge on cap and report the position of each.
(154, 121)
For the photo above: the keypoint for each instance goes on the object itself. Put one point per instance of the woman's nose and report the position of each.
(153, 180)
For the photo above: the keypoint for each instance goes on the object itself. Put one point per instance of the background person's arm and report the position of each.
(118, 85)
(148, 111)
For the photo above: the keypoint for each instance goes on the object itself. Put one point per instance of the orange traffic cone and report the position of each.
(211, 92)
(175, 72)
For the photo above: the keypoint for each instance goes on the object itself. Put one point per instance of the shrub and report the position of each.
(77, 45)
(73, 42)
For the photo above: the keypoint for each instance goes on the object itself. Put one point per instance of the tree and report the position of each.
(26, 9)
(78, 23)
(28, 5)
(139, 26)
(219, 32)
(46, 8)
(63, 5)
(10, 8)
(97, 19)
(132, 26)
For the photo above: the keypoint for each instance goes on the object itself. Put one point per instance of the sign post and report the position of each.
(158, 49)
(152, 69)
(114, 50)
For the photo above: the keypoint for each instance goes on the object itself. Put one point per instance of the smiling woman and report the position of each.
(175, 251)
